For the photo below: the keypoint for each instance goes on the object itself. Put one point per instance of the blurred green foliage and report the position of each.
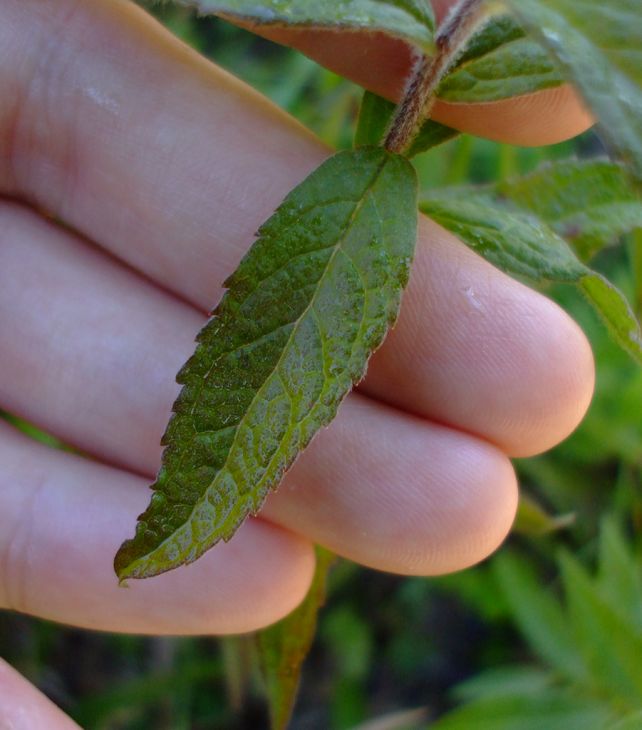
(531, 637)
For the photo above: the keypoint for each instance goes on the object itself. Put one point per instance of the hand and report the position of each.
(135, 174)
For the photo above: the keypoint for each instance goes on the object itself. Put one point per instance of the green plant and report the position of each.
(265, 399)
(589, 646)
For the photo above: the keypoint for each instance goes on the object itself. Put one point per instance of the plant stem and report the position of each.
(452, 35)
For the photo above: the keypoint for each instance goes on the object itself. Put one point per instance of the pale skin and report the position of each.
(133, 175)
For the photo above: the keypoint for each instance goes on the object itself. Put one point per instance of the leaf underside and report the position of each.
(599, 48)
(410, 20)
(307, 306)
(519, 242)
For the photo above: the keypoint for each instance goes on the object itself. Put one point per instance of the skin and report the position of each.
(133, 174)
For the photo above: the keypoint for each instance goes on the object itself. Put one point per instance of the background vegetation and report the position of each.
(548, 634)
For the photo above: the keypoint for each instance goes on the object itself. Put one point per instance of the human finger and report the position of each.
(23, 707)
(112, 164)
(62, 517)
(473, 348)
(103, 380)
(398, 493)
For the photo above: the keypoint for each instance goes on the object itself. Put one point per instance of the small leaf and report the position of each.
(615, 312)
(552, 710)
(499, 62)
(520, 243)
(308, 305)
(375, 116)
(431, 134)
(588, 202)
(599, 48)
(284, 646)
(539, 616)
(410, 20)
(505, 681)
(533, 519)
(620, 577)
(611, 645)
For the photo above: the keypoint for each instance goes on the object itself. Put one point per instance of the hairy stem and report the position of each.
(462, 21)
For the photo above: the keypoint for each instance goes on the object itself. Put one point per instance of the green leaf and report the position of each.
(538, 615)
(533, 519)
(615, 312)
(599, 47)
(519, 243)
(375, 116)
(611, 646)
(554, 710)
(511, 239)
(284, 646)
(431, 134)
(508, 681)
(410, 20)
(588, 202)
(499, 62)
(620, 577)
(309, 303)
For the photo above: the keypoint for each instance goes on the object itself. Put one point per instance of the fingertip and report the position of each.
(399, 493)
(542, 118)
(483, 352)
(491, 513)
(561, 376)
(471, 516)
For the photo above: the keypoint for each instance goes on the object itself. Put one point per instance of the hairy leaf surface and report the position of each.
(284, 646)
(410, 20)
(310, 302)
(599, 47)
(499, 62)
(519, 243)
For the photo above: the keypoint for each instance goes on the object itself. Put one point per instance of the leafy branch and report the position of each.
(322, 284)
